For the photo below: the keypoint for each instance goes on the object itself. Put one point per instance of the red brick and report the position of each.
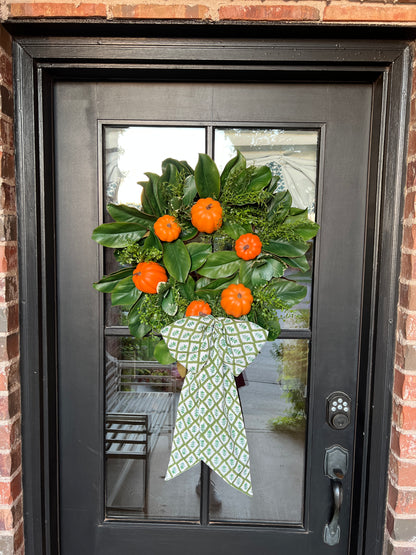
(59, 9)
(407, 296)
(5, 41)
(410, 204)
(10, 434)
(6, 134)
(6, 70)
(10, 405)
(8, 289)
(411, 147)
(406, 324)
(403, 472)
(159, 11)
(18, 537)
(10, 462)
(7, 165)
(402, 501)
(8, 258)
(335, 12)
(6, 101)
(404, 416)
(9, 347)
(10, 490)
(404, 445)
(408, 266)
(269, 13)
(409, 236)
(405, 386)
(9, 376)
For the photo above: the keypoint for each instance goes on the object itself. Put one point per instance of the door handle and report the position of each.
(332, 530)
(335, 467)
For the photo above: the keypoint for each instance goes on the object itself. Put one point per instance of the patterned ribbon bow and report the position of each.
(209, 424)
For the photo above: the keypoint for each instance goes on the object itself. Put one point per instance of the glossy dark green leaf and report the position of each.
(220, 264)
(296, 215)
(300, 263)
(262, 273)
(307, 230)
(260, 179)
(199, 253)
(108, 283)
(162, 354)
(152, 242)
(272, 186)
(137, 328)
(236, 164)
(288, 291)
(169, 303)
(279, 206)
(283, 247)
(125, 213)
(149, 202)
(118, 234)
(180, 166)
(188, 231)
(125, 293)
(176, 259)
(187, 289)
(214, 288)
(156, 183)
(235, 230)
(201, 283)
(278, 267)
(207, 177)
(189, 191)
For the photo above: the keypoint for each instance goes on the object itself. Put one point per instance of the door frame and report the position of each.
(164, 53)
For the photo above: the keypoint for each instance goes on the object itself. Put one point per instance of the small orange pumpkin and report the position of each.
(236, 300)
(248, 246)
(148, 275)
(198, 308)
(167, 229)
(206, 215)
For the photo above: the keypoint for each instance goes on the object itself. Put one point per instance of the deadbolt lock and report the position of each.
(338, 410)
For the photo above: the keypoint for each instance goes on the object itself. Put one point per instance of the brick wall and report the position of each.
(401, 502)
(11, 514)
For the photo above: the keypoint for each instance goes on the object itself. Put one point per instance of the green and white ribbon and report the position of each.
(209, 424)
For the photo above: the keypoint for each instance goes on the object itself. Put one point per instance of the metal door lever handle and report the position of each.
(332, 531)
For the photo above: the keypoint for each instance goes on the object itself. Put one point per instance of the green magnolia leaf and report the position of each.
(180, 166)
(288, 291)
(125, 213)
(137, 328)
(162, 354)
(272, 186)
(118, 234)
(300, 263)
(297, 215)
(260, 179)
(278, 267)
(125, 293)
(189, 191)
(307, 230)
(236, 164)
(187, 289)
(156, 183)
(207, 177)
(169, 304)
(152, 242)
(214, 288)
(283, 247)
(201, 283)
(108, 283)
(199, 253)
(220, 264)
(149, 203)
(176, 259)
(257, 273)
(279, 206)
(234, 230)
(188, 231)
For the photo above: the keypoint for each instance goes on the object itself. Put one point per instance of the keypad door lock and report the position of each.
(338, 410)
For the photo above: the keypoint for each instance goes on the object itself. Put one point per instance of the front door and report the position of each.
(298, 398)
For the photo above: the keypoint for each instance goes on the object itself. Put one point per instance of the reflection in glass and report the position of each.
(141, 401)
(274, 408)
(292, 155)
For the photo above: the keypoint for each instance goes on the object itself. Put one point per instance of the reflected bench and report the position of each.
(136, 413)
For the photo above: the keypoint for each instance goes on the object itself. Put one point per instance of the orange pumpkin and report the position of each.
(148, 275)
(198, 308)
(236, 300)
(206, 215)
(166, 228)
(248, 246)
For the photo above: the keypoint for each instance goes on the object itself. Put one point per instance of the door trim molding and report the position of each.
(38, 62)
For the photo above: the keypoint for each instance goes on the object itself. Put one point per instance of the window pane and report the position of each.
(141, 402)
(274, 408)
(129, 152)
(292, 155)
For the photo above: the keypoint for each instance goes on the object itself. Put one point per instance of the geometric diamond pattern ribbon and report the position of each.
(209, 424)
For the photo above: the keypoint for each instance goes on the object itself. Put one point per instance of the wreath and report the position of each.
(206, 243)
